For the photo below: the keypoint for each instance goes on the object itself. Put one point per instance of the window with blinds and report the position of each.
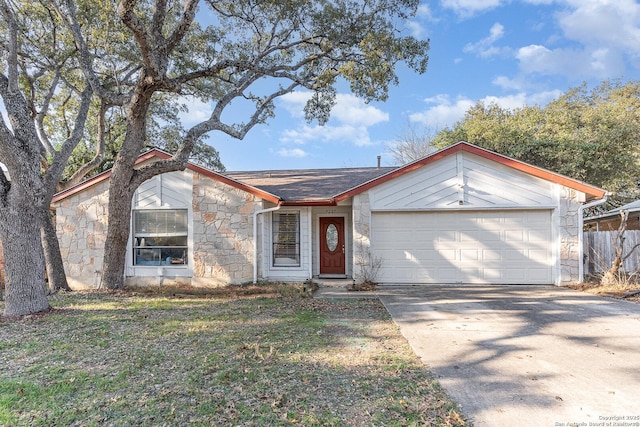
(160, 237)
(286, 239)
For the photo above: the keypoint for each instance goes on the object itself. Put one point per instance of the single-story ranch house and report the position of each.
(461, 215)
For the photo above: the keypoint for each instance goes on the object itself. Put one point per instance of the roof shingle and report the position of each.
(308, 185)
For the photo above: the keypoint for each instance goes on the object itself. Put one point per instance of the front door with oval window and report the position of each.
(332, 252)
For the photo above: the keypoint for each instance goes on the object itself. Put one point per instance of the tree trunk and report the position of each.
(53, 258)
(612, 275)
(120, 195)
(121, 189)
(25, 291)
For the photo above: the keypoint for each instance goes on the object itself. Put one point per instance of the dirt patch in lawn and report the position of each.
(197, 357)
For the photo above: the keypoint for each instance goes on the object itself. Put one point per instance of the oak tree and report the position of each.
(66, 59)
(240, 54)
(37, 72)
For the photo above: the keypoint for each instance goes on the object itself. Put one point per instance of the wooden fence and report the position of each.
(599, 250)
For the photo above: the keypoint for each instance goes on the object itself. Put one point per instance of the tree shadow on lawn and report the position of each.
(111, 358)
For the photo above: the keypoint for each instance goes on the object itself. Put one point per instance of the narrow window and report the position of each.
(160, 237)
(286, 239)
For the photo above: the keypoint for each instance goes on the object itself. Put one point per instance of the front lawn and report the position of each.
(142, 359)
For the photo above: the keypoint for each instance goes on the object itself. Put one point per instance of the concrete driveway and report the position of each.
(526, 355)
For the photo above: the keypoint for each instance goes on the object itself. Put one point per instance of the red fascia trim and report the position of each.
(498, 158)
(82, 186)
(156, 153)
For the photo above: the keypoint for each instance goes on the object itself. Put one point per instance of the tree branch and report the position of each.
(52, 176)
(188, 15)
(71, 21)
(12, 57)
(129, 18)
(97, 158)
(157, 22)
(40, 115)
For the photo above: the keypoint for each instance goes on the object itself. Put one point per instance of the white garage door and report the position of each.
(497, 247)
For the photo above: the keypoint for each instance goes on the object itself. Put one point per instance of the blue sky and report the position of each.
(513, 52)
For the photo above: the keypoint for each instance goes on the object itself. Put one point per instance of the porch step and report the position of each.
(332, 283)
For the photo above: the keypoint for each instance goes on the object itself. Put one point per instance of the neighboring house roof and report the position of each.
(331, 186)
(629, 207)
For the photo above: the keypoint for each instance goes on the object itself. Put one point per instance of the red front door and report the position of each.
(332, 245)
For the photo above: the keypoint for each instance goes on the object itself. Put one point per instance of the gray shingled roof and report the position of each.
(310, 184)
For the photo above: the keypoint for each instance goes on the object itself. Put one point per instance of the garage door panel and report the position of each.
(469, 255)
(448, 255)
(514, 235)
(489, 255)
(463, 247)
(515, 275)
(493, 274)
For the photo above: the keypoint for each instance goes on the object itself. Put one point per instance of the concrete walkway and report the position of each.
(526, 355)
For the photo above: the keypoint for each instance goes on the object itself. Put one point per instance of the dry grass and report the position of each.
(627, 288)
(205, 357)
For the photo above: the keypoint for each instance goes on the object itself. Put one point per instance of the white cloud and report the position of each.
(574, 63)
(511, 102)
(350, 121)
(417, 30)
(294, 103)
(356, 135)
(599, 23)
(446, 112)
(424, 11)
(522, 85)
(485, 48)
(543, 98)
(507, 83)
(293, 152)
(198, 111)
(468, 8)
(349, 109)
(604, 34)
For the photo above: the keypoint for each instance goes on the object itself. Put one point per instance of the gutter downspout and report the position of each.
(255, 239)
(581, 233)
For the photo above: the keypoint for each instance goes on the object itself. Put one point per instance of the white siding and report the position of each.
(169, 190)
(463, 181)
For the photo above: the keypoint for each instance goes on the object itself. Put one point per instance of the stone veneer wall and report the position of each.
(81, 225)
(222, 233)
(361, 236)
(569, 236)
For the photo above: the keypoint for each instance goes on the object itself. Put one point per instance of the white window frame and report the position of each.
(277, 245)
(141, 237)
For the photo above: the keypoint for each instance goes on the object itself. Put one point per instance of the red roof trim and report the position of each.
(156, 153)
(474, 149)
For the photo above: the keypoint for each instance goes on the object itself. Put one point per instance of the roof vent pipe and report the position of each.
(379, 157)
